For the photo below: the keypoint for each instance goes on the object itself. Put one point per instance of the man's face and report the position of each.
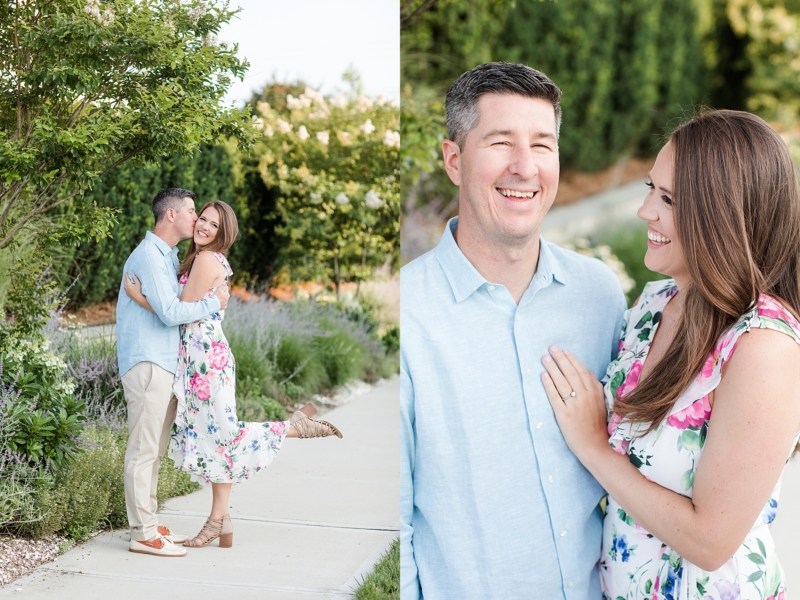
(185, 218)
(508, 168)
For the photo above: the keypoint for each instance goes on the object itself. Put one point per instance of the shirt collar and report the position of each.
(464, 278)
(160, 244)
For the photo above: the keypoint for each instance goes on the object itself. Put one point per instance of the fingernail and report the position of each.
(565, 351)
(547, 359)
(553, 348)
(545, 375)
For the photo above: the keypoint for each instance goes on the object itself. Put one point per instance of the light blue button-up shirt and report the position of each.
(493, 504)
(142, 335)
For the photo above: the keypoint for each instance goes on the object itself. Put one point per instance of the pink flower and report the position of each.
(614, 423)
(278, 427)
(199, 385)
(218, 355)
(631, 380)
(693, 415)
(716, 354)
(622, 447)
(241, 435)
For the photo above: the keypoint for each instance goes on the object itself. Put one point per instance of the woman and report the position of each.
(705, 392)
(208, 441)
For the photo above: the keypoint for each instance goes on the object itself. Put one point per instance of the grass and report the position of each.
(383, 583)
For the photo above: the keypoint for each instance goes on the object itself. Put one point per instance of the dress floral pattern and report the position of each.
(634, 564)
(208, 441)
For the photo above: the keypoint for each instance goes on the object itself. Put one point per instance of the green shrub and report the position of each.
(299, 362)
(44, 418)
(89, 493)
(341, 355)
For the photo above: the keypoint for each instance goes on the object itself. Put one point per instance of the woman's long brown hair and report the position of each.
(736, 204)
(226, 234)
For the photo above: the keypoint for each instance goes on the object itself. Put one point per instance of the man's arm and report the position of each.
(409, 577)
(156, 285)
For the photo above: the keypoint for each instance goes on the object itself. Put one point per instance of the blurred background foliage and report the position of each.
(630, 70)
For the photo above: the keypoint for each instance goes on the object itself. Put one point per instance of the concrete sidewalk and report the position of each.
(311, 525)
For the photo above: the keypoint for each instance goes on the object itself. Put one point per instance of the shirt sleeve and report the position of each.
(409, 576)
(156, 285)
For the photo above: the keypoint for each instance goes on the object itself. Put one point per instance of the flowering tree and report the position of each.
(335, 163)
(86, 86)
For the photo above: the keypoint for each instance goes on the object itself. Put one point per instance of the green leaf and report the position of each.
(755, 576)
(691, 440)
(646, 318)
(687, 479)
(756, 558)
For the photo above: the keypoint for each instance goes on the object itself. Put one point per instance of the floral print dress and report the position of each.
(208, 441)
(634, 564)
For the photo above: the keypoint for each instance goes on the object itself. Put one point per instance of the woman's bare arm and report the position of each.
(207, 272)
(133, 288)
(755, 417)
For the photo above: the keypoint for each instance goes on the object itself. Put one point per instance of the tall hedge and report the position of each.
(98, 265)
(626, 67)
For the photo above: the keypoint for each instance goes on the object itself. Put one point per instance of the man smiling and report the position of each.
(493, 503)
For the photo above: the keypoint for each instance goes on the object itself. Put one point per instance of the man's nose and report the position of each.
(523, 163)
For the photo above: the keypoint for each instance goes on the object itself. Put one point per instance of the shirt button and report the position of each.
(516, 318)
(530, 370)
(551, 479)
(562, 533)
(491, 288)
(539, 425)
(571, 584)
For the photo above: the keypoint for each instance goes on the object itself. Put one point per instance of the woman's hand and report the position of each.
(133, 288)
(577, 400)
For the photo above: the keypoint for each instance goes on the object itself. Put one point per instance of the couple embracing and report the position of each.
(528, 392)
(179, 375)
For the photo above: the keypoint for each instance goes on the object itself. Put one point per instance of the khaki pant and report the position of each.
(151, 412)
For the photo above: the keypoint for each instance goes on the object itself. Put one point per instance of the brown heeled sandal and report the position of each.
(307, 427)
(213, 529)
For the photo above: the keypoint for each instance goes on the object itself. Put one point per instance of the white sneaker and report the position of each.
(175, 538)
(158, 546)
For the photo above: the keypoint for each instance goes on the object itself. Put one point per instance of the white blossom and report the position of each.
(372, 200)
(344, 137)
(363, 103)
(108, 17)
(391, 138)
(342, 199)
(315, 96)
(315, 198)
(269, 131)
(340, 101)
(380, 100)
(293, 103)
(263, 108)
(367, 127)
(210, 40)
(168, 24)
(258, 123)
(92, 9)
(302, 133)
(284, 126)
(197, 13)
(323, 137)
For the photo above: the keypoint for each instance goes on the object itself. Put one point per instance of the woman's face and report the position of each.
(664, 253)
(206, 227)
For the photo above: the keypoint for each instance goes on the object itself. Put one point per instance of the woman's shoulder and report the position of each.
(771, 313)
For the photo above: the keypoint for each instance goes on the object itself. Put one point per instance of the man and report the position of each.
(493, 503)
(147, 351)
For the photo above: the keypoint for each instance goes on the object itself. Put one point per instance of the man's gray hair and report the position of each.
(170, 198)
(461, 105)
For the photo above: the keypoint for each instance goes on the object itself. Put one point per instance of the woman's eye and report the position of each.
(650, 185)
(667, 200)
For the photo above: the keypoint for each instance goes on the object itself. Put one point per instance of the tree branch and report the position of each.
(404, 21)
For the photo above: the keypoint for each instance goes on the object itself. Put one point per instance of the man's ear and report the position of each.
(452, 160)
(170, 215)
